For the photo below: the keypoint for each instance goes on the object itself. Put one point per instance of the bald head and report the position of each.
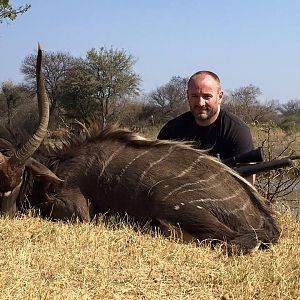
(203, 74)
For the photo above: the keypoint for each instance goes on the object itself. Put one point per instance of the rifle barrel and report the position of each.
(294, 157)
(247, 170)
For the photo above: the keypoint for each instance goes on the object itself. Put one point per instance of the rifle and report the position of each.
(252, 162)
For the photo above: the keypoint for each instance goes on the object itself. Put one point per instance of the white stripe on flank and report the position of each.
(218, 199)
(184, 172)
(107, 162)
(189, 184)
(170, 150)
(202, 188)
(194, 163)
(240, 208)
(131, 162)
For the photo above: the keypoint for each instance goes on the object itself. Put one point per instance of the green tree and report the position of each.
(17, 111)
(98, 83)
(10, 94)
(112, 70)
(9, 12)
(290, 115)
(78, 92)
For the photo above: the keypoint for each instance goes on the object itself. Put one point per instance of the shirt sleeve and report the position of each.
(242, 140)
(165, 133)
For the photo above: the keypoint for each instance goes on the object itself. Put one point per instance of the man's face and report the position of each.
(204, 97)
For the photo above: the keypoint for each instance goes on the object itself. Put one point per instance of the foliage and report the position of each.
(55, 67)
(170, 98)
(78, 92)
(10, 95)
(18, 112)
(244, 103)
(290, 123)
(131, 115)
(291, 107)
(81, 88)
(152, 115)
(9, 12)
(277, 184)
(112, 71)
(290, 119)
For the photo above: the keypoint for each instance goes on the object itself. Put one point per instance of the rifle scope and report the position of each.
(256, 155)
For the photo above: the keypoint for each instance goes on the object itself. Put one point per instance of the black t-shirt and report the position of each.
(227, 136)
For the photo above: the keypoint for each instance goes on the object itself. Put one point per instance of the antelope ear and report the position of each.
(41, 172)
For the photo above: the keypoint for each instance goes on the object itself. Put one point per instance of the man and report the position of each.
(211, 127)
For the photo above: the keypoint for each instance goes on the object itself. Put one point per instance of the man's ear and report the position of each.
(41, 172)
(221, 96)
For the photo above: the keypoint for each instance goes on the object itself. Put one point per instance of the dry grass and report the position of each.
(45, 260)
(275, 141)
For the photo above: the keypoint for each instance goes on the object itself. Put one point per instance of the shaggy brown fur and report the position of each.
(118, 171)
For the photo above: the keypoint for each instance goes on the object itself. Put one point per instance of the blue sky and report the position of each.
(243, 41)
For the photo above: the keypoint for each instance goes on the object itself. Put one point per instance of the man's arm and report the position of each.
(243, 143)
(165, 133)
(251, 178)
